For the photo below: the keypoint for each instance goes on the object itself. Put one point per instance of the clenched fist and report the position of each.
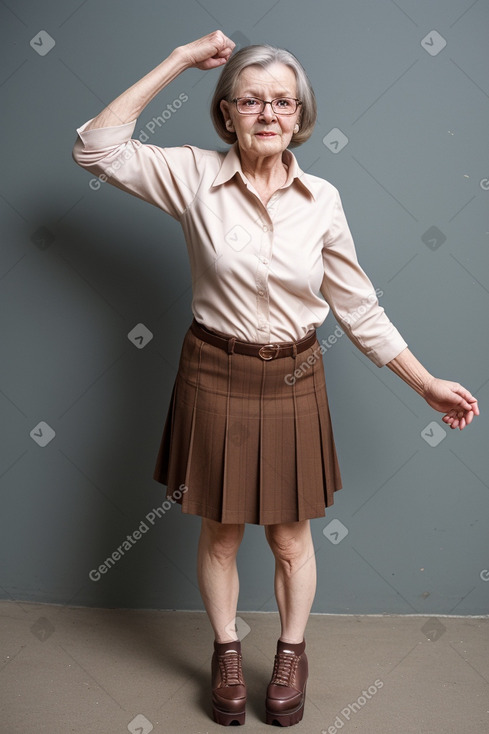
(207, 52)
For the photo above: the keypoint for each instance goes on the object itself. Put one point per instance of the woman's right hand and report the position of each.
(207, 52)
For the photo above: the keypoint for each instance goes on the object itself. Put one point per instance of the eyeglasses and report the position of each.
(254, 105)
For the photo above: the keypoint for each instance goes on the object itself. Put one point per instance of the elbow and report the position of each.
(82, 159)
(85, 159)
(77, 154)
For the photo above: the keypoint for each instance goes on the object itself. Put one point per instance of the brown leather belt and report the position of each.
(264, 351)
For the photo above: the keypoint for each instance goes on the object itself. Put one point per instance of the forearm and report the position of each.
(129, 105)
(410, 369)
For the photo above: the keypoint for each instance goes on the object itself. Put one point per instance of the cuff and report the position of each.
(105, 137)
(387, 351)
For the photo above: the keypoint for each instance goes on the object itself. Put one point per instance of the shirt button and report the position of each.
(264, 260)
(260, 293)
(265, 228)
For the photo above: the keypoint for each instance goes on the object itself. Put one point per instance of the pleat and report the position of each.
(161, 468)
(277, 485)
(308, 449)
(262, 505)
(241, 477)
(227, 487)
(331, 478)
(188, 470)
(298, 454)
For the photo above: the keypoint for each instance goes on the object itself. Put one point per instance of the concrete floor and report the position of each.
(108, 671)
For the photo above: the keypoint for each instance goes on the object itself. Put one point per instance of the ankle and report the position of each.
(225, 639)
(221, 648)
(298, 648)
(291, 640)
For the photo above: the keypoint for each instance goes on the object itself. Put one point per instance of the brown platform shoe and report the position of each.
(228, 686)
(286, 691)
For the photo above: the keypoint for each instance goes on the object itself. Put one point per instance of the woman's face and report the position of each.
(276, 80)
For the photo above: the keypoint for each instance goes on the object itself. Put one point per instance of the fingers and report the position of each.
(467, 399)
(451, 421)
(210, 51)
(465, 417)
(225, 46)
(463, 403)
(459, 419)
(467, 407)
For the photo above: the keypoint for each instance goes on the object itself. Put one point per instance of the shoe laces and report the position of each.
(230, 668)
(284, 668)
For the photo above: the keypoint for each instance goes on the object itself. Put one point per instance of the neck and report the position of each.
(264, 169)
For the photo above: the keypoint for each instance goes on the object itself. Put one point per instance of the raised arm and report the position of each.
(167, 177)
(208, 52)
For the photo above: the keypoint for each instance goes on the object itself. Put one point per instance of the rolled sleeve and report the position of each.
(352, 297)
(168, 178)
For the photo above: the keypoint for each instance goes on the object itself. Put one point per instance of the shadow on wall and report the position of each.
(96, 412)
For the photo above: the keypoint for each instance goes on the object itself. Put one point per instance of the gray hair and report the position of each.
(263, 55)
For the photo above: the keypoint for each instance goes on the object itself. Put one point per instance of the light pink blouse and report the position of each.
(260, 273)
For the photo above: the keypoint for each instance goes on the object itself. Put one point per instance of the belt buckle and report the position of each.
(266, 355)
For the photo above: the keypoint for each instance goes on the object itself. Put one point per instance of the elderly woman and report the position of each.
(248, 437)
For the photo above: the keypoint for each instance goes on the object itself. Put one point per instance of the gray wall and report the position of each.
(79, 268)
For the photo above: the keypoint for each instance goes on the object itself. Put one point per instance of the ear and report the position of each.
(224, 105)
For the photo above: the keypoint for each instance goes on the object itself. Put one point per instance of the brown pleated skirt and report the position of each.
(244, 440)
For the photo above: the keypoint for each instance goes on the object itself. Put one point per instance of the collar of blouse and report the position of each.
(231, 165)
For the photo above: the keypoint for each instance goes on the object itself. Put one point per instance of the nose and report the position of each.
(267, 113)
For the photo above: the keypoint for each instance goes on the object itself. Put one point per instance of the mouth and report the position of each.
(266, 134)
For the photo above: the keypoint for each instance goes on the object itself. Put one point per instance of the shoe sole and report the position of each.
(226, 719)
(287, 718)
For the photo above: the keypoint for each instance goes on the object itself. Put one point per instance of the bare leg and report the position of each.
(295, 576)
(218, 575)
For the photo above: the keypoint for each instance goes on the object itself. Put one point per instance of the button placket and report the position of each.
(261, 278)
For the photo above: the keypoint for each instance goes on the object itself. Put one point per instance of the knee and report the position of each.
(222, 541)
(288, 545)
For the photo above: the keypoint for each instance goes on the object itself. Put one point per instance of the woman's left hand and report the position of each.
(452, 399)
